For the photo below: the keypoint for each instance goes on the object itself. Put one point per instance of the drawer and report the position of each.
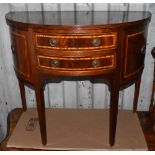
(66, 64)
(78, 42)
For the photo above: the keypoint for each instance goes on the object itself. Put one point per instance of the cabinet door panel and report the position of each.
(20, 54)
(134, 53)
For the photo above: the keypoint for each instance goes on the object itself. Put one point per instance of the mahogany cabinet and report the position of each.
(98, 44)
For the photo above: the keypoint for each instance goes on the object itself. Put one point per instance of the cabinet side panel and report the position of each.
(134, 56)
(20, 52)
(134, 52)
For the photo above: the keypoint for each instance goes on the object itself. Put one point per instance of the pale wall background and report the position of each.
(74, 93)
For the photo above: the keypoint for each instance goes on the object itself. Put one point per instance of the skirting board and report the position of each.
(78, 129)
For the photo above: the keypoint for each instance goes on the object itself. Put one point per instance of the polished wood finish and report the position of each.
(41, 110)
(22, 91)
(108, 45)
(19, 43)
(81, 42)
(114, 98)
(135, 52)
(76, 19)
(105, 62)
(136, 94)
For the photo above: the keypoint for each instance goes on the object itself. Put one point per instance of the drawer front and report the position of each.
(67, 64)
(134, 53)
(77, 42)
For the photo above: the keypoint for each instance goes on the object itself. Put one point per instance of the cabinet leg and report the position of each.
(41, 111)
(151, 108)
(22, 93)
(114, 97)
(136, 95)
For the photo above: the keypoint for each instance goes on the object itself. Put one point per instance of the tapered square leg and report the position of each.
(22, 93)
(114, 97)
(151, 108)
(41, 111)
(136, 94)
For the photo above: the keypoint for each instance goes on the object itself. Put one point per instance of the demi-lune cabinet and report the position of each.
(98, 44)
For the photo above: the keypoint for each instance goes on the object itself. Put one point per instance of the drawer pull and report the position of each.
(54, 63)
(96, 41)
(96, 63)
(143, 49)
(52, 42)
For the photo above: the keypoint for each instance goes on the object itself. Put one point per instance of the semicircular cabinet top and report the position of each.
(76, 18)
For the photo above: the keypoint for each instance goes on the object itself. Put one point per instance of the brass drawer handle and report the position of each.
(96, 63)
(143, 49)
(52, 42)
(96, 41)
(54, 63)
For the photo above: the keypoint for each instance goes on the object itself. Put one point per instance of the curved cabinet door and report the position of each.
(134, 53)
(20, 53)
